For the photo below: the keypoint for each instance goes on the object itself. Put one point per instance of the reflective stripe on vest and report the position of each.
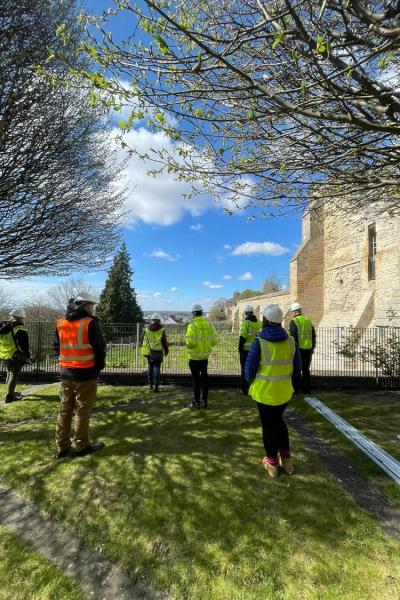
(8, 342)
(273, 382)
(151, 341)
(249, 330)
(200, 338)
(304, 332)
(76, 352)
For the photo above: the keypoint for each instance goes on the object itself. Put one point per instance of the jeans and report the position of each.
(13, 371)
(198, 368)
(78, 397)
(274, 430)
(154, 370)
(303, 383)
(244, 384)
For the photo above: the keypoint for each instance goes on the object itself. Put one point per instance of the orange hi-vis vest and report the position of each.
(76, 352)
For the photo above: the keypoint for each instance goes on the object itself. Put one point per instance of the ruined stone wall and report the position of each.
(387, 281)
(350, 298)
(306, 267)
(329, 272)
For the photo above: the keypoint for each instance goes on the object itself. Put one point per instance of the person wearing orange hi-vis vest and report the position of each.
(303, 333)
(81, 350)
(272, 359)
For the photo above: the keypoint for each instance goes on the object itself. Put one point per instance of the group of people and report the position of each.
(274, 364)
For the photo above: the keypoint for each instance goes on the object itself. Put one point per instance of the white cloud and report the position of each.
(245, 277)
(197, 227)
(227, 246)
(212, 286)
(227, 277)
(154, 200)
(157, 294)
(269, 248)
(173, 289)
(164, 255)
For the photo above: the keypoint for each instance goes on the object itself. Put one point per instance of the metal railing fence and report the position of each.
(344, 356)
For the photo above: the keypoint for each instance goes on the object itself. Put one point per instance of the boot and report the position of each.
(156, 390)
(287, 465)
(193, 406)
(272, 469)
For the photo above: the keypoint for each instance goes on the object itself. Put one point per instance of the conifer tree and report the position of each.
(118, 302)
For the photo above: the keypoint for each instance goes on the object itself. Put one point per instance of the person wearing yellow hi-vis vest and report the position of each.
(249, 328)
(154, 346)
(14, 350)
(200, 338)
(303, 332)
(272, 359)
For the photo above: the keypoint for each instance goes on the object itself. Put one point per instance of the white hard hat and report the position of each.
(197, 308)
(273, 313)
(156, 317)
(248, 308)
(18, 312)
(295, 306)
(85, 299)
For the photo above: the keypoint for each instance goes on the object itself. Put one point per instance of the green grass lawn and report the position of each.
(376, 417)
(25, 575)
(181, 499)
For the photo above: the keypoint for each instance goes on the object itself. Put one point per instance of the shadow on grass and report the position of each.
(182, 497)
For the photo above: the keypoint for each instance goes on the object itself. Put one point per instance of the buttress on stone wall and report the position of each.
(329, 273)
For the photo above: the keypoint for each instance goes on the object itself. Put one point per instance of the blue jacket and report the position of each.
(272, 333)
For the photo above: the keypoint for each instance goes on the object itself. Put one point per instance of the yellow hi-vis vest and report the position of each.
(8, 343)
(200, 337)
(304, 332)
(249, 330)
(273, 383)
(152, 341)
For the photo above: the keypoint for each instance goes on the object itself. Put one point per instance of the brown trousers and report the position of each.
(78, 397)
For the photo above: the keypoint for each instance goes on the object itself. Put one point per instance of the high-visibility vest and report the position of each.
(8, 342)
(201, 336)
(152, 341)
(249, 330)
(273, 382)
(76, 352)
(304, 332)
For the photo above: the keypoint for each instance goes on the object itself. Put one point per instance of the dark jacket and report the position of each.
(156, 327)
(272, 333)
(242, 340)
(97, 342)
(293, 333)
(21, 337)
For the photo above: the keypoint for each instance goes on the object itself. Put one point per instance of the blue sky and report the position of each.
(185, 251)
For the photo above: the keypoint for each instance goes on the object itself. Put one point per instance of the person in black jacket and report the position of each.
(81, 349)
(14, 350)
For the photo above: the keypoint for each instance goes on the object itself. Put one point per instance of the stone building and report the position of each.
(346, 271)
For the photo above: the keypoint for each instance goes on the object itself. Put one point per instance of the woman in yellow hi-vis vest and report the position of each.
(272, 359)
(154, 346)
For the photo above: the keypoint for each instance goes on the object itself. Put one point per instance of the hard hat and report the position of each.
(273, 313)
(295, 306)
(248, 308)
(18, 312)
(197, 308)
(155, 317)
(85, 299)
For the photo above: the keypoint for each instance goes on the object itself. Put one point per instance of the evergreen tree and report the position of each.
(118, 302)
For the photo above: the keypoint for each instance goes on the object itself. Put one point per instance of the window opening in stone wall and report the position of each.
(371, 251)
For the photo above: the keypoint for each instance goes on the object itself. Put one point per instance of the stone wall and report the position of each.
(329, 272)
